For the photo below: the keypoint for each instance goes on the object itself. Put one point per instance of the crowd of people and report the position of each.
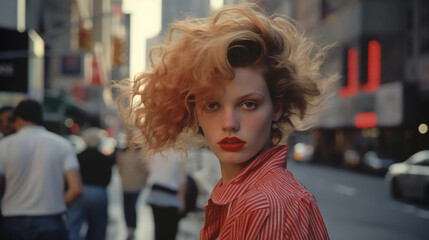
(50, 191)
(242, 82)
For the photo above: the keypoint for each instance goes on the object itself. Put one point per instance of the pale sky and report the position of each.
(146, 23)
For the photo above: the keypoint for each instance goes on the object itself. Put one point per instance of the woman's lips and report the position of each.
(231, 144)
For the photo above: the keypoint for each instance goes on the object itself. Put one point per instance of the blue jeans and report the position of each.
(49, 227)
(91, 207)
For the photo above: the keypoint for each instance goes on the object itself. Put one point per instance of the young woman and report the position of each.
(243, 80)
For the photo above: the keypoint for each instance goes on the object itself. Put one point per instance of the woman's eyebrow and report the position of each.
(250, 95)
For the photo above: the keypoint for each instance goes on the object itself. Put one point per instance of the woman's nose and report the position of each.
(230, 120)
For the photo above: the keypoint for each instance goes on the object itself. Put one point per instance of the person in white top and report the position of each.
(6, 128)
(203, 166)
(167, 195)
(36, 166)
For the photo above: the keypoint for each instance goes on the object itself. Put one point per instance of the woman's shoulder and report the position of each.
(279, 187)
(269, 200)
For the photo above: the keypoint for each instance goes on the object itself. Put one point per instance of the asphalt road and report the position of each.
(358, 206)
(353, 205)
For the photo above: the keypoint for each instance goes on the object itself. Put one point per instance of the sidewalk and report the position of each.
(189, 227)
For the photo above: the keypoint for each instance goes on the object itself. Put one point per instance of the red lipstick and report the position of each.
(231, 144)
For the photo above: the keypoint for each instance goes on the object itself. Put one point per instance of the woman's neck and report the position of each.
(229, 171)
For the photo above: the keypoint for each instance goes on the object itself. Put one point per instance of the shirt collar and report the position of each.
(274, 157)
(30, 127)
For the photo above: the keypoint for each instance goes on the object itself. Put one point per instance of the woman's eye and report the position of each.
(212, 106)
(248, 105)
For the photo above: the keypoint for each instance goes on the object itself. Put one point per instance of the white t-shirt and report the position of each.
(33, 162)
(167, 169)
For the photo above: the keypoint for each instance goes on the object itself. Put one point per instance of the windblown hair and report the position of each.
(201, 54)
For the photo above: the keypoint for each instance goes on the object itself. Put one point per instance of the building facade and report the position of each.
(381, 101)
(84, 49)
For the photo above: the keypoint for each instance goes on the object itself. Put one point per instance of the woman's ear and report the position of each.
(278, 111)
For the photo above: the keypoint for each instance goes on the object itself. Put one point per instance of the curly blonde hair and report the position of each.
(200, 54)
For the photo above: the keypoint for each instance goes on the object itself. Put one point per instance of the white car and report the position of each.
(410, 178)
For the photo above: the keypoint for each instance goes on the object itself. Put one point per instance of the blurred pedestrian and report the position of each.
(133, 174)
(37, 165)
(203, 166)
(6, 128)
(167, 194)
(91, 207)
(6, 121)
(244, 81)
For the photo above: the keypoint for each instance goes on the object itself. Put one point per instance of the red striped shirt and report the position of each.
(264, 201)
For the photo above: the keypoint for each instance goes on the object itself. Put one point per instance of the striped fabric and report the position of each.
(264, 201)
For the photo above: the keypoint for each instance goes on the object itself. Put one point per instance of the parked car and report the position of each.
(376, 162)
(410, 178)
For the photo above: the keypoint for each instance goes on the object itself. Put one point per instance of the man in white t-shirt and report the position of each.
(37, 165)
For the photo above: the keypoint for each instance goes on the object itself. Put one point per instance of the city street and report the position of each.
(356, 72)
(354, 206)
(359, 206)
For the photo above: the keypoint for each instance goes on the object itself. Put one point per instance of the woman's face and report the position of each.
(236, 120)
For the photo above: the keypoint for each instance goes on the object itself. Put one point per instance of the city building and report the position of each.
(381, 50)
(69, 55)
